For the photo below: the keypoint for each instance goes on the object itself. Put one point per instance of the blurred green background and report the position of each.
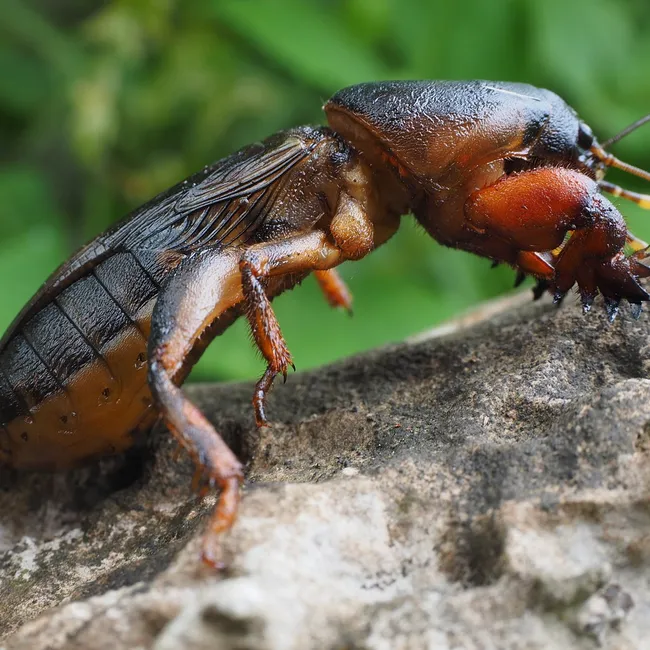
(104, 104)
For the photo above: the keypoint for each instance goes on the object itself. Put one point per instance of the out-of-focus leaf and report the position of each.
(369, 20)
(28, 27)
(303, 38)
(95, 123)
(28, 258)
(24, 82)
(582, 66)
(25, 203)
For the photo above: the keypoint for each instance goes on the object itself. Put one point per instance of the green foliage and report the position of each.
(104, 104)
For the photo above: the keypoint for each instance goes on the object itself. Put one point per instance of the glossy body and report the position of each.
(73, 380)
(504, 170)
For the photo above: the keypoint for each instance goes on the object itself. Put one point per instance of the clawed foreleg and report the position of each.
(564, 233)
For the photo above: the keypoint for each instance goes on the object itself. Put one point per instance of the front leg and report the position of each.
(530, 214)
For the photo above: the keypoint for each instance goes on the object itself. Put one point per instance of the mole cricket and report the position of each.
(503, 170)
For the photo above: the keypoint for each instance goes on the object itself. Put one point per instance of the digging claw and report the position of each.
(587, 298)
(611, 307)
(558, 297)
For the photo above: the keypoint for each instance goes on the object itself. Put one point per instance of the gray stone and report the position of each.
(485, 486)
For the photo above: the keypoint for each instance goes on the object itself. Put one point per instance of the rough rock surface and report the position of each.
(483, 487)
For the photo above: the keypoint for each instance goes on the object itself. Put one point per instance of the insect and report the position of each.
(504, 170)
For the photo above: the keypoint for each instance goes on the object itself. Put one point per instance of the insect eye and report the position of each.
(585, 137)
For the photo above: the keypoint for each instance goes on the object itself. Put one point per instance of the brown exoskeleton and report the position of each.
(504, 170)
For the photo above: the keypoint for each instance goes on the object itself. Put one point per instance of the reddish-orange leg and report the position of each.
(312, 251)
(334, 289)
(351, 236)
(207, 284)
(201, 288)
(534, 210)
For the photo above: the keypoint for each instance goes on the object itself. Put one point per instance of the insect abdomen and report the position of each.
(81, 355)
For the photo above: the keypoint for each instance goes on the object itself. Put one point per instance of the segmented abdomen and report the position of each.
(73, 375)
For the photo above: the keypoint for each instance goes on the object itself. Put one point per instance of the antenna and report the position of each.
(626, 131)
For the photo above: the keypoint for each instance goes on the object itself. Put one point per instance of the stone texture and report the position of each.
(483, 486)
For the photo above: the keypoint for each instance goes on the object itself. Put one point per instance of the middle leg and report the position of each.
(334, 288)
(350, 235)
(312, 251)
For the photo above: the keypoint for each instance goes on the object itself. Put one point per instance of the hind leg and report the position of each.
(201, 288)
